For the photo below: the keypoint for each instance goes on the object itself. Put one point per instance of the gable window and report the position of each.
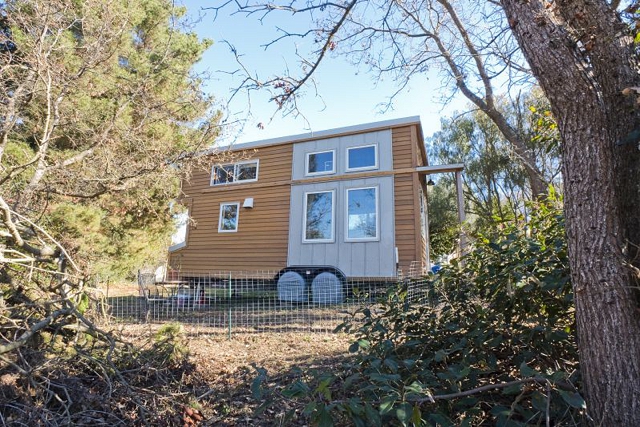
(321, 162)
(235, 172)
(228, 222)
(362, 214)
(362, 158)
(318, 216)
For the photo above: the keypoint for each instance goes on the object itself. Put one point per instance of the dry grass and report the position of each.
(225, 367)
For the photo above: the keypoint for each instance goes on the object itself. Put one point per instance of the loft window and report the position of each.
(321, 162)
(318, 216)
(228, 222)
(235, 172)
(362, 158)
(362, 214)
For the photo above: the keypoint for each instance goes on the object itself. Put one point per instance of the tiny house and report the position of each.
(345, 202)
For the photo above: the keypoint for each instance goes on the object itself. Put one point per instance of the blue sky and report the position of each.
(347, 95)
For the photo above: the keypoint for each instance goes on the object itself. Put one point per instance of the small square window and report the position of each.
(228, 222)
(222, 174)
(362, 158)
(247, 171)
(322, 162)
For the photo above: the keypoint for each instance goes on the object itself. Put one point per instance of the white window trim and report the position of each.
(235, 172)
(333, 163)
(333, 218)
(245, 162)
(213, 174)
(346, 217)
(183, 244)
(375, 166)
(222, 205)
(176, 246)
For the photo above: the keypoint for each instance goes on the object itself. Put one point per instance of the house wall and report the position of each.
(270, 235)
(340, 145)
(262, 238)
(407, 154)
(355, 259)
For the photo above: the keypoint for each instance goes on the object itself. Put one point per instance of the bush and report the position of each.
(490, 341)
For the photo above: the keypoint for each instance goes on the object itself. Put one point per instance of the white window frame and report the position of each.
(183, 243)
(346, 217)
(333, 163)
(364, 168)
(333, 217)
(222, 205)
(235, 172)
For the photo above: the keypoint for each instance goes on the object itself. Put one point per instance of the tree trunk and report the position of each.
(584, 58)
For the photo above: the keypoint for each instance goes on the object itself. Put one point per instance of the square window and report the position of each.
(362, 214)
(222, 174)
(318, 216)
(362, 158)
(228, 221)
(321, 163)
(246, 171)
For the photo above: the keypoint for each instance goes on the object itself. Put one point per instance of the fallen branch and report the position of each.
(432, 398)
(24, 338)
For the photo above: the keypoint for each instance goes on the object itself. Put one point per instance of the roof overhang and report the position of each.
(428, 170)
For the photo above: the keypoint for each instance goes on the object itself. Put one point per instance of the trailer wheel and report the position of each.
(292, 287)
(327, 288)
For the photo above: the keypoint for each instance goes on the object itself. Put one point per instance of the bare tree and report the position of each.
(468, 43)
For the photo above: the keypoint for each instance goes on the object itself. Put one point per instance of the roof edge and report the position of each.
(328, 133)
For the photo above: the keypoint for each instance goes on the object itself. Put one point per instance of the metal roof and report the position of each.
(329, 133)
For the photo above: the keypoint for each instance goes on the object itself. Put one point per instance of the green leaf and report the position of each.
(573, 399)
(512, 389)
(386, 404)
(539, 401)
(324, 418)
(414, 387)
(350, 380)
(83, 304)
(440, 420)
(256, 384)
(297, 389)
(385, 378)
(373, 416)
(500, 410)
(404, 413)
(360, 344)
(440, 355)
(310, 408)
(391, 364)
(526, 371)
(416, 416)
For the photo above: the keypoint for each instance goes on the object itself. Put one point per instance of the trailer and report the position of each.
(316, 208)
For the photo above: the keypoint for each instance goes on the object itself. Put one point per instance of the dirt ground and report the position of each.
(228, 367)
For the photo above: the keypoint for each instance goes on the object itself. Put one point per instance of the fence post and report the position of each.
(230, 305)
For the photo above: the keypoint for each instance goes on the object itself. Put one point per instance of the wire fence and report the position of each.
(251, 302)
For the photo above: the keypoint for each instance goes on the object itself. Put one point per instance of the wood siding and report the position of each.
(261, 241)
(407, 154)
